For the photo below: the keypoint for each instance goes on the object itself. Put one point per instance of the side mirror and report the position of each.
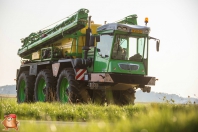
(157, 45)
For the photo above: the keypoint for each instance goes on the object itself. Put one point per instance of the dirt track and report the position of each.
(7, 96)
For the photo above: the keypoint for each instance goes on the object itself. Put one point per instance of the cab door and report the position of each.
(102, 53)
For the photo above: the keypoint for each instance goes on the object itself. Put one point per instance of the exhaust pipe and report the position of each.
(89, 22)
(88, 33)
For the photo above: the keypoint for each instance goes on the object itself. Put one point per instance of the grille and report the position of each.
(129, 67)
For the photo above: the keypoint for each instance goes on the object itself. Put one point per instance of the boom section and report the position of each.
(37, 40)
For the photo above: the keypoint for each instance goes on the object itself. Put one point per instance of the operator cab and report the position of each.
(122, 48)
(126, 42)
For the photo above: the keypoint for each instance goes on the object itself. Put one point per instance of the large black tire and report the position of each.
(124, 97)
(70, 90)
(99, 97)
(44, 90)
(84, 94)
(25, 87)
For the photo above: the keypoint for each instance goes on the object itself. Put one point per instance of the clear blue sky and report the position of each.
(174, 22)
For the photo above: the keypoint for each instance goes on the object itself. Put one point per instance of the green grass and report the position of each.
(138, 118)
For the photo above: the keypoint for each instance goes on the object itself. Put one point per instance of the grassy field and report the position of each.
(138, 118)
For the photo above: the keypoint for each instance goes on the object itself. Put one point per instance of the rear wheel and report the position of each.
(124, 97)
(25, 87)
(70, 90)
(44, 86)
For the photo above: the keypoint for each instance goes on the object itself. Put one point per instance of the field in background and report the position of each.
(150, 117)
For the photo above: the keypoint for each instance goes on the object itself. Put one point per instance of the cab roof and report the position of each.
(124, 27)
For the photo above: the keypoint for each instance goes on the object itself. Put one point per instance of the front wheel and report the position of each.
(124, 97)
(99, 97)
(44, 86)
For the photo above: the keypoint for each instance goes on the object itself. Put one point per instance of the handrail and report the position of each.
(131, 19)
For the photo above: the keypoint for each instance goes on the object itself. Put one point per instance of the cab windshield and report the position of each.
(129, 48)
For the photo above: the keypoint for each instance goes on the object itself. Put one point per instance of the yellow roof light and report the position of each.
(146, 20)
